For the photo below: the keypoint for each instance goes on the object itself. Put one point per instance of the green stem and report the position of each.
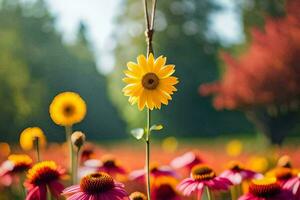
(21, 181)
(148, 154)
(49, 196)
(76, 167)
(209, 196)
(233, 193)
(71, 152)
(37, 148)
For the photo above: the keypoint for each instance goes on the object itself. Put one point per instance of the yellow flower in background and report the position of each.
(28, 135)
(258, 163)
(234, 148)
(149, 82)
(67, 108)
(169, 144)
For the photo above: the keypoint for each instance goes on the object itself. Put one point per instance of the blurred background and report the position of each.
(51, 46)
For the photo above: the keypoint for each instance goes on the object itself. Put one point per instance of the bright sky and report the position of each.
(99, 15)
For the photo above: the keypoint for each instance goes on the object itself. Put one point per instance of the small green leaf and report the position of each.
(138, 133)
(157, 127)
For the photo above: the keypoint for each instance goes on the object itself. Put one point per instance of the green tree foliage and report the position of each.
(182, 34)
(35, 65)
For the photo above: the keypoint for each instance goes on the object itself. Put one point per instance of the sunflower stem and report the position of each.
(148, 153)
(71, 152)
(208, 193)
(37, 148)
(149, 37)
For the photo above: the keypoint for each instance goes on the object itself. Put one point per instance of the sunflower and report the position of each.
(28, 135)
(149, 82)
(67, 108)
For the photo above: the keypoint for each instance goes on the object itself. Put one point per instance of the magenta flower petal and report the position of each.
(56, 188)
(33, 193)
(71, 190)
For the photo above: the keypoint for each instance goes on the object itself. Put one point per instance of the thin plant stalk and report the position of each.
(233, 192)
(76, 166)
(149, 20)
(148, 153)
(37, 148)
(208, 193)
(49, 196)
(71, 152)
(21, 181)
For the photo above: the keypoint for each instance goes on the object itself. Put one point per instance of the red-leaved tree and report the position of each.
(265, 80)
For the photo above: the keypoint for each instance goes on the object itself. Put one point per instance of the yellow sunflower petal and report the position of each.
(142, 61)
(149, 102)
(135, 68)
(159, 63)
(131, 74)
(130, 88)
(130, 80)
(142, 100)
(169, 80)
(166, 71)
(150, 62)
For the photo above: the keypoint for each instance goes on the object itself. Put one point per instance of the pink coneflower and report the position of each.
(86, 154)
(107, 164)
(237, 174)
(155, 171)
(164, 188)
(203, 176)
(41, 176)
(15, 165)
(96, 186)
(282, 174)
(266, 189)
(187, 160)
(293, 185)
(111, 166)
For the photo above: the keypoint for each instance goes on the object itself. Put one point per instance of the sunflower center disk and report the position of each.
(202, 173)
(264, 188)
(150, 81)
(69, 110)
(97, 183)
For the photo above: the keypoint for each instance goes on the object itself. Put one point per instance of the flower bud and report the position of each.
(78, 139)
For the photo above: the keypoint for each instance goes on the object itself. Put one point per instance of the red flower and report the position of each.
(269, 72)
(42, 175)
